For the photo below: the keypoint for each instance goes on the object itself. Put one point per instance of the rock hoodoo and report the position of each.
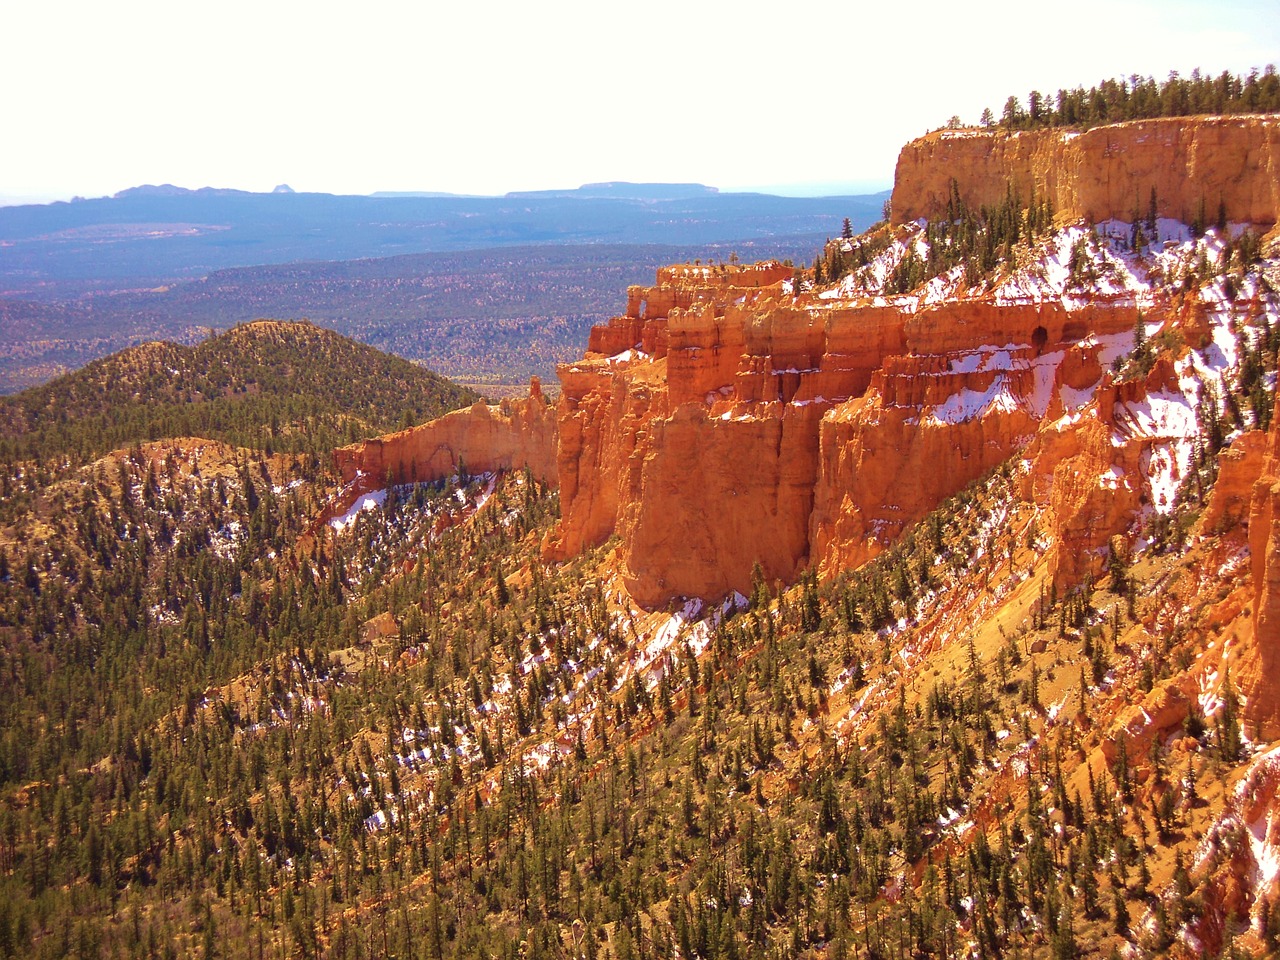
(1261, 683)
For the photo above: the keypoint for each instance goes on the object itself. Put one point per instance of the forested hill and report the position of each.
(270, 385)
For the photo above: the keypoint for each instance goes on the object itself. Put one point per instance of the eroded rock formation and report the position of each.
(1261, 683)
(695, 440)
(511, 435)
(726, 423)
(736, 425)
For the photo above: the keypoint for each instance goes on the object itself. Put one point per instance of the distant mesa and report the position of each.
(266, 228)
(169, 190)
(151, 190)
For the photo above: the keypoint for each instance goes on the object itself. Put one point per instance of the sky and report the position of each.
(494, 96)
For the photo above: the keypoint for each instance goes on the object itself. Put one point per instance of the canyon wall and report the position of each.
(511, 435)
(724, 423)
(1102, 173)
(694, 440)
(1260, 684)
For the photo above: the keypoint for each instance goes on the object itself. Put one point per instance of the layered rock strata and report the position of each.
(1192, 164)
(736, 425)
(726, 424)
(511, 435)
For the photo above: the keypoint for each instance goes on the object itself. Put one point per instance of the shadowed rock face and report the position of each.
(1103, 173)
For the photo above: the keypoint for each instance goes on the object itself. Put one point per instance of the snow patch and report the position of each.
(968, 404)
(370, 501)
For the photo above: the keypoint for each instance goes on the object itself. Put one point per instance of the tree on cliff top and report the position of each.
(1139, 98)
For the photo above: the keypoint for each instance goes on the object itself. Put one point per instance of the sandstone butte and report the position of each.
(723, 422)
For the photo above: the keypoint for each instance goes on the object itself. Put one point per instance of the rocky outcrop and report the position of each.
(947, 412)
(511, 435)
(1102, 173)
(695, 440)
(1261, 681)
(1141, 726)
(1235, 863)
(736, 425)
(1239, 468)
(929, 418)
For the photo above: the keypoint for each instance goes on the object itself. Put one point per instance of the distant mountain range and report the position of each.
(614, 189)
(622, 190)
(458, 282)
(152, 234)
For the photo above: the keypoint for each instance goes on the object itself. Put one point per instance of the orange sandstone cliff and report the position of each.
(689, 430)
(733, 419)
(1261, 683)
(726, 421)
(1102, 173)
(511, 435)
(735, 424)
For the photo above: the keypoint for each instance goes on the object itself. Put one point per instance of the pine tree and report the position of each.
(1228, 723)
(1120, 913)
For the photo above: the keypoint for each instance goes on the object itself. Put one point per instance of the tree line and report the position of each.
(1141, 98)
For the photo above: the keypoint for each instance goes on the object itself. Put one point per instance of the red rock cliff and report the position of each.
(724, 422)
(511, 435)
(1261, 683)
(734, 424)
(695, 439)
(1104, 172)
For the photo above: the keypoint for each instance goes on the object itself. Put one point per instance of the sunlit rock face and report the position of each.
(1191, 163)
(512, 435)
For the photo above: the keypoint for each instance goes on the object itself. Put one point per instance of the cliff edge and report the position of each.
(1195, 165)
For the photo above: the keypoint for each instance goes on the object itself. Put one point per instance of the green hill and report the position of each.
(275, 386)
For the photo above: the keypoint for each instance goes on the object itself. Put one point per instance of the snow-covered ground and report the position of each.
(370, 501)
(1076, 266)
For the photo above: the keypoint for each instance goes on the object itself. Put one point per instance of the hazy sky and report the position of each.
(493, 96)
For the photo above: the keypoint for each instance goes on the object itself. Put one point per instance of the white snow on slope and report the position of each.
(968, 404)
(370, 501)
